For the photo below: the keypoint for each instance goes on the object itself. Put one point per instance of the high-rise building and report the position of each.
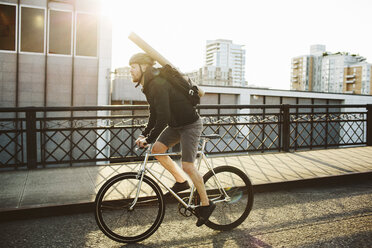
(322, 71)
(224, 54)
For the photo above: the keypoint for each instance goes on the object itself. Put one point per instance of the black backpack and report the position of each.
(180, 83)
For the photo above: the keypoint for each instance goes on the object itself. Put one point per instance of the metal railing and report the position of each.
(68, 136)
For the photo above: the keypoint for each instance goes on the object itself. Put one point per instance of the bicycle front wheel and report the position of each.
(114, 214)
(231, 190)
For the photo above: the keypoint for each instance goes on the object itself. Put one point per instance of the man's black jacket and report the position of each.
(168, 106)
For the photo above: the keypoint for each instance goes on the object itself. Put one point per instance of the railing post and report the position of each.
(286, 124)
(31, 139)
(369, 124)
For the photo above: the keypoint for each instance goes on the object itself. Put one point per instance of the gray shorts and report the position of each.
(188, 136)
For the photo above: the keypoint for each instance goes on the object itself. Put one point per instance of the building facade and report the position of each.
(212, 75)
(54, 53)
(302, 73)
(224, 54)
(322, 71)
(358, 79)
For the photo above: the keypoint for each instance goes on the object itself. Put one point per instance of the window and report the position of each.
(60, 27)
(8, 27)
(32, 30)
(86, 35)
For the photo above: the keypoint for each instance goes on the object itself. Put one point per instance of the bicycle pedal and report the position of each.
(183, 210)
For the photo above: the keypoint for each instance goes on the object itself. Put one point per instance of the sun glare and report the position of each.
(109, 9)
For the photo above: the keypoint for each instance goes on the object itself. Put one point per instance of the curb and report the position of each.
(330, 181)
(86, 207)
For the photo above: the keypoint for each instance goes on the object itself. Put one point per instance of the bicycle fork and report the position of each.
(140, 175)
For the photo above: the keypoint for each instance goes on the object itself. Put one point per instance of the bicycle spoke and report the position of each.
(115, 215)
(233, 201)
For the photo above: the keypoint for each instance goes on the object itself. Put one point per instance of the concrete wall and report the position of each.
(59, 81)
(8, 75)
(31, 80)
(85, 81)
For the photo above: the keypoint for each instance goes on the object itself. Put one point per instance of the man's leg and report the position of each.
(206, 209)
(189, 139)
(188, 167)
(197, 179)
(167, 162)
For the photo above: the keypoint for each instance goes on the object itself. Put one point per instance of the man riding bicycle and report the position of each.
(172, 120)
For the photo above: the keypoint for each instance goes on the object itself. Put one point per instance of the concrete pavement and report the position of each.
(327, 216)
(27, 191)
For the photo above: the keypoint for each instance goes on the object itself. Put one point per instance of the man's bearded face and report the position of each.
(135, 72)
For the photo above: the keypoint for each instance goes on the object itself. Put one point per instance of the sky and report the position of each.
(271, 31)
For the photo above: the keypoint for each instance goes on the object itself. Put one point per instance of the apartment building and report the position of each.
(322, 71)
(54, 53)
(358, 79)
(302, 73)
(224, 54)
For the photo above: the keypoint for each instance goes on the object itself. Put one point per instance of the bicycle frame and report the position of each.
(143, 170)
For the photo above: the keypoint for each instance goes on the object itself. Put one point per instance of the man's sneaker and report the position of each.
(204, 212)
(178, 187)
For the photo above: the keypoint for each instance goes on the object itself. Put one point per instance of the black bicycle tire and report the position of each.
(249, 190)
(98, 215)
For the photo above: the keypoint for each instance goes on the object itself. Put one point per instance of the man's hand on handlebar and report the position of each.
(141, 142)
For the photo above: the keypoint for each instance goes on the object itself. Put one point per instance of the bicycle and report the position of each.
(130, 207)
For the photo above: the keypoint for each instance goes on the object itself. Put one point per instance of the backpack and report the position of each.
(186, 87)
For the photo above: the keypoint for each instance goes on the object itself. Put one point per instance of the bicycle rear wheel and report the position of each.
(230, 211)
(112, 208)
